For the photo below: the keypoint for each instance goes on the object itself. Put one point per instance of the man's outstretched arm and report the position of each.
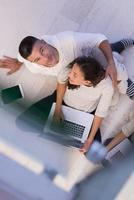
(111, 68)
(10, 63)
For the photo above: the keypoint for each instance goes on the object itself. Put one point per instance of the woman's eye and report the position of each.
(37, 60)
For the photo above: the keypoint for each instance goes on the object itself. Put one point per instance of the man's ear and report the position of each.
(42, 41)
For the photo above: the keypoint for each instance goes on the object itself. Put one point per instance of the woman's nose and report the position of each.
(70, 75)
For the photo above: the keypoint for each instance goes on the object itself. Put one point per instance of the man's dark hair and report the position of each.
(91, 69)
(26, 46)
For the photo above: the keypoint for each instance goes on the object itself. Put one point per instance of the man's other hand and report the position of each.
(112, 72)
(10, 63)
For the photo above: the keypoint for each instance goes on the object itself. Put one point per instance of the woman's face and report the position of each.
(76, 77)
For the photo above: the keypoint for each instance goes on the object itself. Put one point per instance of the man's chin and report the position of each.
(53, 63)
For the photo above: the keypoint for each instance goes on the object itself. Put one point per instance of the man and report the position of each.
(51, 54)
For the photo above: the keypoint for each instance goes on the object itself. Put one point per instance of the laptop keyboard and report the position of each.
(68, 128)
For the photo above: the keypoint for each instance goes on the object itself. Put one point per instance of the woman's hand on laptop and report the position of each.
(86, 145)
(58, 116)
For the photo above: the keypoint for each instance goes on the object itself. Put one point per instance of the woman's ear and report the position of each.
(87, 83)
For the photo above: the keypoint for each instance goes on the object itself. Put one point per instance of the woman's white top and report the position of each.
(100, 97)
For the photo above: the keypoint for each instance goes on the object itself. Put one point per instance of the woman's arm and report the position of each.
(100, 113)
(95, 126)
(61, 88)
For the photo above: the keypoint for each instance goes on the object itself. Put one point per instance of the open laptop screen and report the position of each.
(76, 124)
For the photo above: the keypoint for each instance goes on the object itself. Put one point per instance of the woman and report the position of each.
(88, 90)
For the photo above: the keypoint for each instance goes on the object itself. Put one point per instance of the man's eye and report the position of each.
(42, 50)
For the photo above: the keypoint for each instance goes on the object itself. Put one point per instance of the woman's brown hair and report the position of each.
(90, 68)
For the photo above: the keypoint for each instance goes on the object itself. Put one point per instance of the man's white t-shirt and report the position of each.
(70, 45)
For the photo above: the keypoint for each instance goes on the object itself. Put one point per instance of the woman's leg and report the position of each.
(35, 117)
(122, 45)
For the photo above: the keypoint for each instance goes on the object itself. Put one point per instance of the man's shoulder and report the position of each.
(59, 34)
(66, 35)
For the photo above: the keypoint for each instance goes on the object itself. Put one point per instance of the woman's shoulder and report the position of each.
(106, 86)
(106, 82)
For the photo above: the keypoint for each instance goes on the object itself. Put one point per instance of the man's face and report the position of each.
(44, 54)
(76, 76)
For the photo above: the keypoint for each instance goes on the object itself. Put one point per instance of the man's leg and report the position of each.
(119, 47)
(122, 45)
(130, 90)
(34, 118)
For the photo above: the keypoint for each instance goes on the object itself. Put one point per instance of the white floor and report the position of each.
(19, 19)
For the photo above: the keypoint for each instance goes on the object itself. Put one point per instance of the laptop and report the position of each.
(74, 129)
(11, 94)
(120, 151)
